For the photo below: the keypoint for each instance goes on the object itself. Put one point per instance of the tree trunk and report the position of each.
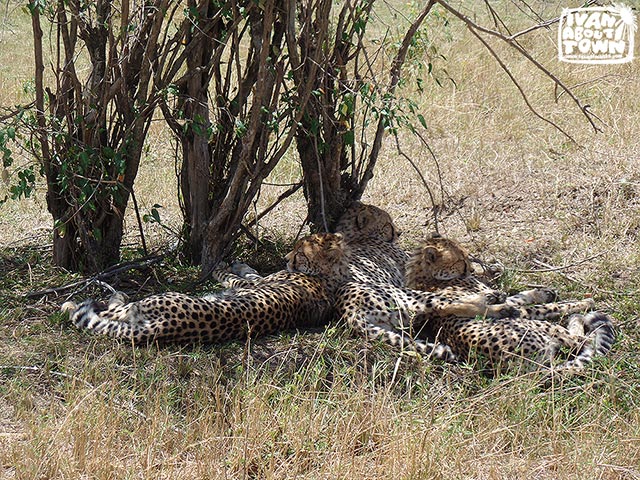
(232, 143)
(90, 143)
(323, 189)
(196, 166)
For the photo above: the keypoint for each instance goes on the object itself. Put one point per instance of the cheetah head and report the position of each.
(437, 259)
(321, 254)
(364, 221)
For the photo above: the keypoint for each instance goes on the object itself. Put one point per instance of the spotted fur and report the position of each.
(373, 256)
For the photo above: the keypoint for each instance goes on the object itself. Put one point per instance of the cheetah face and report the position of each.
(362, 221)
(318, 254)
(439, 259)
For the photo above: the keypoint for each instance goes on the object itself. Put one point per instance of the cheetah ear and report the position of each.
(362, 219)
(390, 233)
(430, 254)
(335, 247)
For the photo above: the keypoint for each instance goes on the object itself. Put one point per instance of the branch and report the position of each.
(475, 28)
(549, 268)
(14, 113)
(519, 87)
(286, 194)
(107, 273)
(424, 182)
(546, 23)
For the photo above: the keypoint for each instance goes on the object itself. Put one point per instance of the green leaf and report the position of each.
(349, 137)
(423, 122)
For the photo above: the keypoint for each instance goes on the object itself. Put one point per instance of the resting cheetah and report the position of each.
(373, 238)
(376, 265)
(301, 296)
(441, 266)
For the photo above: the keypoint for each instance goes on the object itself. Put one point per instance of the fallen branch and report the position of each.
(551, 268)
(100, 277)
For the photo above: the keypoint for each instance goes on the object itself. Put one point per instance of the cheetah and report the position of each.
(376, 264)
(441, 266)
(373, 238)
(300, 296)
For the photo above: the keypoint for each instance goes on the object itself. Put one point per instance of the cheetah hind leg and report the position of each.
(526, 297)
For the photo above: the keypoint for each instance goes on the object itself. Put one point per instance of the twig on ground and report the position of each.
(100, 277)
(551, 268)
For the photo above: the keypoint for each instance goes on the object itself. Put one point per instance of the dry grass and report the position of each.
(324, 405)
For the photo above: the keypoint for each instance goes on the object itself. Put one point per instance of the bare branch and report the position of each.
(520, 89)
(284, 195)
(475, 28)
(434, 205)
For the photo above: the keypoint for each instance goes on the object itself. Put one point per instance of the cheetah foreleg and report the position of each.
(230, 280)
(533, 297)
(474, 306)
(554, 311)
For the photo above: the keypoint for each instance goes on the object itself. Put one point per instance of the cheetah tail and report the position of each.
(92, 315)
(600, 338)
(599, 326)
